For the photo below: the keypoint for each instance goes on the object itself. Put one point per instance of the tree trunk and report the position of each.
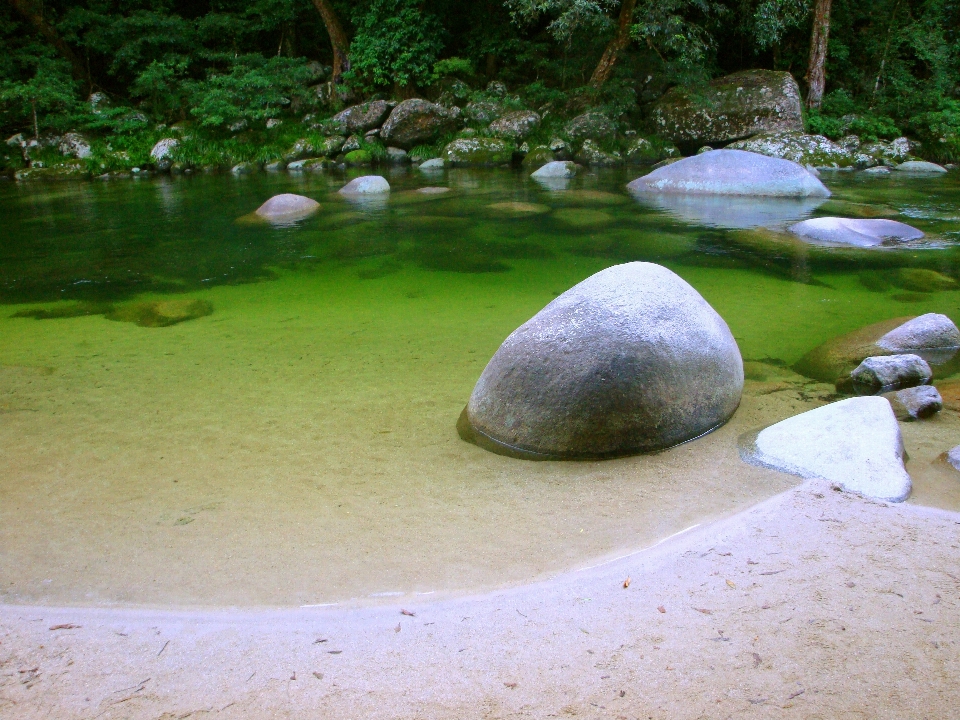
(817, 70)
(26, 9)
(617, 45)
(338, 39)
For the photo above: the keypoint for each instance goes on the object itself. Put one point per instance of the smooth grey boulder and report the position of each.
(915, 403)
(630, 360)
(920, 167)
(932, 331)
(556, 169)
(730, 108)
(360, 118)
(432, 164)
(855, 444)
(287, 207)
(366, 185)
(885, 371)
(855, 233)
(732, 172)
(416, 121)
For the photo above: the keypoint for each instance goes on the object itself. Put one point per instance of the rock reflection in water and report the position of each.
(732, 212)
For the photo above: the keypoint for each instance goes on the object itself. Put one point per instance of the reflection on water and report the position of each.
(727, 211)
(199, 411)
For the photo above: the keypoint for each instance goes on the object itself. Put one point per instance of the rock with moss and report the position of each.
(162, 153)
(590, 153)
(730, 108)
(310, 165)
(363, 117)
(483, 112)
(815, 150)
(432, 165)
(353, 143)
(358, 157)
(641, 151)
(397, 156)
(538, 156)
(515, 125)
(300, 150)
(556, 169)
(478, 151)
(417, 122)
(890, 153)
(920, 167)
(331, 146)
(243, 168)
(70, 170)
(160, 313)
(589, 126)
(75, 145)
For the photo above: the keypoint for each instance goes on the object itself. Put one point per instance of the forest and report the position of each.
(242, 75)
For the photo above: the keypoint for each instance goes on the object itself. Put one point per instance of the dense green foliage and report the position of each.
(228, 67)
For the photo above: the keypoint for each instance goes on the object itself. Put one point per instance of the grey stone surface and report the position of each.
(478, 151)
(366, 116)
(953, 457)
(589, 126)
(74, 145)
(556, 169)
(855, 233)
(515, 125)
(915, 403)
(732, 172)
(884, 371)
(931, 331)
(798, 147)
(632, 359)
(731, 107)
(397, 156)
(366, 185)
(590, 153)
(920, 167)
(854, 443)
(483, 111)
(287, 207)
(416, 121)
(161, 153)
(432, 164)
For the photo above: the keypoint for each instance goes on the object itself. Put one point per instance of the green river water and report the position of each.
(296, 444)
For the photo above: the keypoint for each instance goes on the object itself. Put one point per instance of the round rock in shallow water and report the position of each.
(556, 169)
(732, 172)
(857, 233)
(891, 371)
(631, 360)
(920, 166)
(287, 207)
(366, 185)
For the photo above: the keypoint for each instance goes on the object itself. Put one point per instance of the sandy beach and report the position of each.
(813, 604)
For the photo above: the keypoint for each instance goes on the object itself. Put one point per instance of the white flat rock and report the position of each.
(366, 185)
(856, 233)
(855, 444)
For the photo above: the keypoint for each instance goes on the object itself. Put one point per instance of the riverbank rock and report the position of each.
(515, 125)
(589, 126)
(415, 122)
(814, 150)
(855, 233)
(478, 151)
(732, 172)
(433, 164)
(732, 107)
(363, 117)
(75, 145)
(162, 152)
(366, 185)
(915, 403)
(483, 112)
(287, 207)
(590, 153)
(855, 444)
(160, 313)
(641, 151)
(67, 170)
(920, 167)
(933, 337)
(630, 360)
(892, 371)
(556, 169)
(538, 156)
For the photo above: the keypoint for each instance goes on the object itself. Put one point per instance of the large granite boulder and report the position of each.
(589, 126)
(732, 172)
(933, 337)
(366, 185)
(855, 233)
(415, 122)
(730, 108)
(478, 151)
(360, 118)
(287, 207)
(515, 125)
(630, 360)
(855, 444)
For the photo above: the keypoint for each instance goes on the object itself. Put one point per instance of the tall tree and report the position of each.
(618, 44)
(338, 38)
(34, 15)
(817, 68)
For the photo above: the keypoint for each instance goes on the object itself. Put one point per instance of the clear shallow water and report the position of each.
(297, 445)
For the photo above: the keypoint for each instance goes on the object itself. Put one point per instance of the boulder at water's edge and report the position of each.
(630, 360)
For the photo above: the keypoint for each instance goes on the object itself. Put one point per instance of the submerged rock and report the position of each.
(416, 121)
(915, 403)
(920, 167)
(556, 169)
(366, 185)
(733, 212)
(855, 444)
(732, 172)
(161, 313)
(732, 107)
(630, 360)
(892, 371)
(857, 233)
(287, 207)
(933, 337)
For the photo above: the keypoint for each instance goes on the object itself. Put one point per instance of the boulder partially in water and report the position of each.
(915, 403)
(556, 169)
(415, 122)
(732, 172)
(855, 233)
(630, 360)
(892, 371)
(933, 337)
(920, 167)
(855, 444)
(287, 207)
(366, 185)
